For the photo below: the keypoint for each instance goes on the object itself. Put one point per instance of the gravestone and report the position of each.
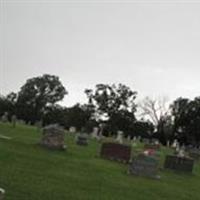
(119, 138)
(5, 117)
(82, 139)
(2, 194)
(95, 133)
(14, 120)
(101, 130)
(194, 153)
(53, 137)
(117, 152)
(144, 165)
(175, 144)
(146, 141)
(72, 129)
(183, 164)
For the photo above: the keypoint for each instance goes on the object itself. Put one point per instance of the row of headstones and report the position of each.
(146, 163)
(4, 119)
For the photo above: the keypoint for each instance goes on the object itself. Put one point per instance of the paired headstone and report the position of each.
(183, 164)
(114, 151)
(82, 139)
(2, 194)
(53, 137)
(143, 165)
(119, 138)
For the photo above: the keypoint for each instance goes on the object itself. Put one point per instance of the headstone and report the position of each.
(144, 165)
(53, 137)
(101, 129)
(183, 164)
(95, 133)
(146, 141)
(5, 117)
(119, 138)
(117, 152)
(2, 194)
(194, 153)
(175, 144)
(168, 143)
(82, 139)
(72, 129)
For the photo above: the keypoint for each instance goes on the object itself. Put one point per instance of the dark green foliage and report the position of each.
(36, 94)
(186, 115)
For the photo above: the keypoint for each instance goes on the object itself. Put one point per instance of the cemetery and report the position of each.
(31, 171)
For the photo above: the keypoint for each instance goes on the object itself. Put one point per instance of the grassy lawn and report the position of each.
(30, 172)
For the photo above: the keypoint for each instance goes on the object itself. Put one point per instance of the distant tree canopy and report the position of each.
(37, 94)
(110, 99)
(113, 105)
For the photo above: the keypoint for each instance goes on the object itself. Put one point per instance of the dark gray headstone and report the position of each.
(194, 153)
(82, 139)
(144, 165)
(178, 163)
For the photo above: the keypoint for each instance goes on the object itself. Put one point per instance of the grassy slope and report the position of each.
(29, 172)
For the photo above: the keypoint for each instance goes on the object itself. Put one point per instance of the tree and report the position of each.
(110, 99)
(157, 111)
(79, 116)
(37, 94)
(186, 114)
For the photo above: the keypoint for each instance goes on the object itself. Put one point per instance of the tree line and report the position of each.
(112, 105)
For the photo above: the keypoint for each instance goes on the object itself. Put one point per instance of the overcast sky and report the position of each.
(152, 47)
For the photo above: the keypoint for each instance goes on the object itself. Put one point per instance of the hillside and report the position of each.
(30, 172)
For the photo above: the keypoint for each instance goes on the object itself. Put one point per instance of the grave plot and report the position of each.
(182, 164)
(117, 152)
(147, 166)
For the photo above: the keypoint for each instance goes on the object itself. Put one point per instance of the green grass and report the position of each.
(30, 172)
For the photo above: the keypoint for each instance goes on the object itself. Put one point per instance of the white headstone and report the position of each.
(119, 138)
(72, 129)
(95, 132)
(175, 144)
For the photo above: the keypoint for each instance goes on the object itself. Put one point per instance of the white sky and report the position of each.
(151, 46)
